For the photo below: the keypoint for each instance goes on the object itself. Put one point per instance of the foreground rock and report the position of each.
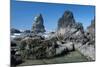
(37, 48)
(89, 48)
(64, 47)
(88, 51)
(15, 55)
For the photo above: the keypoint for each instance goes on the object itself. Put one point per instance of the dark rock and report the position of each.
(15, 60)
(13, 44)
(66, 20)
(15, 55)
(13, 30)
(32, 48)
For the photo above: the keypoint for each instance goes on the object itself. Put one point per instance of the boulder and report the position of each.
(64, 47)
(36, 48)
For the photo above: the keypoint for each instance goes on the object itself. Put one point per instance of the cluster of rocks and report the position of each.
(15, 54)
(68, 28)
(36, 48)
(71, 31)
(69, 36)
(89, 48)
(39, 48)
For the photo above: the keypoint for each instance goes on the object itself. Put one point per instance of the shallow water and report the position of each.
(74, 56)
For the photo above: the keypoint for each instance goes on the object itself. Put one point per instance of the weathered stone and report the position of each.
(66, 20)
(38, 26)
(68, 29)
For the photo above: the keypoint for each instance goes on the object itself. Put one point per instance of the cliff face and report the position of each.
(38, 26)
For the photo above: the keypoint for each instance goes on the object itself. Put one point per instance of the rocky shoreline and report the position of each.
(69, 37)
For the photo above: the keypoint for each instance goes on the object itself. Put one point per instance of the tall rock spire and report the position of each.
(67, 19)
(38, 26)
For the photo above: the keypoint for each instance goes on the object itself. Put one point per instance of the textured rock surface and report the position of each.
(88, 51)
(89, 48)
(70, 31)
(38, 26)
(64, 47)
(37, 48)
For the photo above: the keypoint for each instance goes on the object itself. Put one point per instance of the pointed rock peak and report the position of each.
(67, 20)
(38, 17)
(38, 26)
(68, 14)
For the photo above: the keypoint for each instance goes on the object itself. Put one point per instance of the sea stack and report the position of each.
(38, 26)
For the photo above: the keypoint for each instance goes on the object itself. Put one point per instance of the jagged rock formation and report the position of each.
(38, 26)
(66, 20)
(68, 29)
(37, 48)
